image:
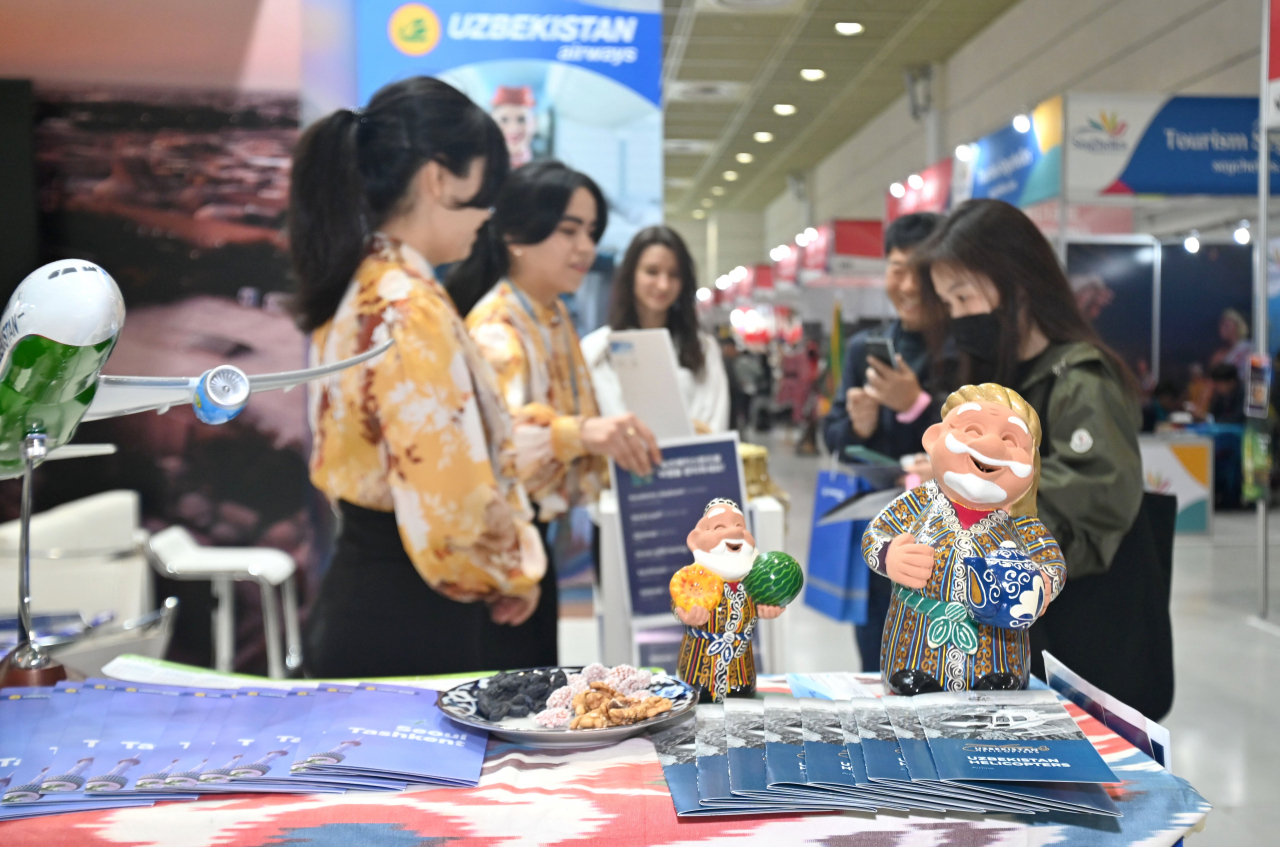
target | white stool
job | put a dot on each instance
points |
(175, 554)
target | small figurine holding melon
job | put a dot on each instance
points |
(972, 565)
(719, 598)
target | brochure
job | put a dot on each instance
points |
(397, 732)
(678, 752)
(744, 731)
(1122, 719)
(786, 763)
(712, 748)
(1017, 736)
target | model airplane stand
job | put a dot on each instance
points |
(27, 664)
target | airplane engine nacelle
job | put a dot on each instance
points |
(221, 394)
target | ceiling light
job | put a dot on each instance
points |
(707, 202)
(965, 152)
(915, 182)
(745, 158)
(802, 240)
(898, 190)
(723, 282)
(704, 294)
(780, 252)
(717, 190)
(811, 233)
(1022, 123)
(849, 28)
(729, 176)
(1241, 235)
(763, 137)
(1192, 244)
(784, 109)
(699, 214)
(738, 274)
(812, 74)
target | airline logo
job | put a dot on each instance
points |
(414, 29)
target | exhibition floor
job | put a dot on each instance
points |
(1228, 670)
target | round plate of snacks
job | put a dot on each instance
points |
(569, 706)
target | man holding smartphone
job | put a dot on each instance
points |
(885, 408)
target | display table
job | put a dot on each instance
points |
(613, 795)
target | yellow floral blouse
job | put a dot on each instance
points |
(421, 431)
(535, 352)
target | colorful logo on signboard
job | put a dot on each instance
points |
(1103, 134)
(414, 29)
(1110, 123)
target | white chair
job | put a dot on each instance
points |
(85, 557)
(175, 554)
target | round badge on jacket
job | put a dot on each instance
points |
(1081, 440)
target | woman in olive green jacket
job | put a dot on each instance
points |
(992, 281)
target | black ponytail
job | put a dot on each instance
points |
(528, 209)
(352, 170)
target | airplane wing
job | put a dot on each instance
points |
(128, 395)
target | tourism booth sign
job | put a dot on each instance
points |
(1151, 144)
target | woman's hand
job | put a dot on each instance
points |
(864, 411)
(625, 439)
(513, 611)
(697, 616)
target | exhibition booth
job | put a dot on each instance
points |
(691, 727)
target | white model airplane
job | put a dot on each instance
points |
(56, 334)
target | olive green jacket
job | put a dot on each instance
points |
(1091, 470)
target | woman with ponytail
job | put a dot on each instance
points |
(539, 245)
(412, 447)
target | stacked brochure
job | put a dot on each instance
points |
(108, 744)
(1015, 752)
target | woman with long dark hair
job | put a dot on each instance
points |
(991, 280)
(412, 447)
(539, 244)
(654, 287)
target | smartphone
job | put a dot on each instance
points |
(881, 347)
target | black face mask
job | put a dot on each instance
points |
(977, 335)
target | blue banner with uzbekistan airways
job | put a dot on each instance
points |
(1150, 144)
(574, 81)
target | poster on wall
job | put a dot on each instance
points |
(181, 194)
(574, 81)
(1273, 65)
(1115, 286)
(1205, 314)
(1125, 144)
(1019, 167)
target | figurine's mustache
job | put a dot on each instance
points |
(1020, 469)
(975, 489)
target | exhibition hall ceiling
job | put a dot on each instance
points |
(733, 67)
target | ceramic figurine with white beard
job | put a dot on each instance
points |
(720, 597)
(973, 566)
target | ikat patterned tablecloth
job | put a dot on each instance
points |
(612, 796)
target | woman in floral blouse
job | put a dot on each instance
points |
(413, 447)
(538, 246)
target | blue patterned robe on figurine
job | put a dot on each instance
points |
(929, 514)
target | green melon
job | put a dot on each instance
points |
(774, 580)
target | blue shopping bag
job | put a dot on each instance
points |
(836, 584)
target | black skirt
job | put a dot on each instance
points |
(375, 615)
(535, 643)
